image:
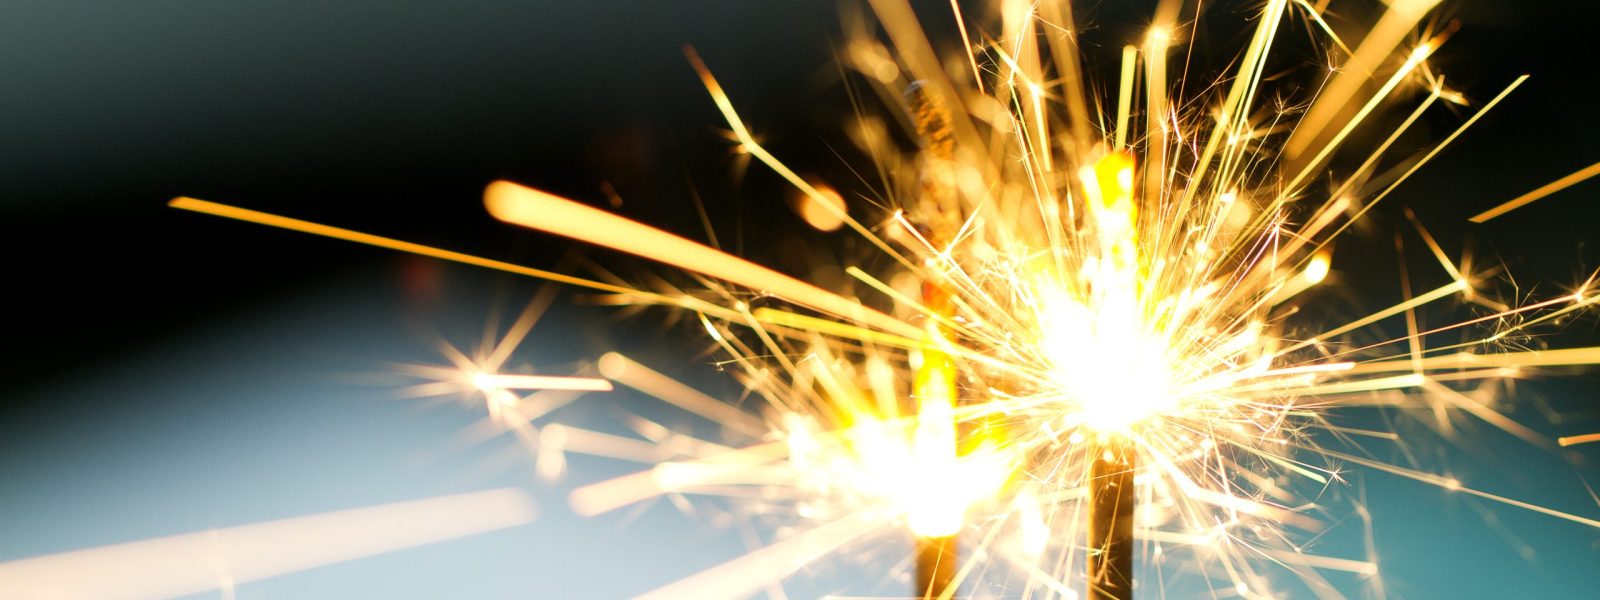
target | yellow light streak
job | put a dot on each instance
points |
(253, 216)
(492, 381)
(748, 143)
(1130, 57)
(534, 209)
(1417, 56)
(1544, 190)
(1435, 294)
(1467, 360)
(1454, 485)
(1416, 166)
(1573, 440)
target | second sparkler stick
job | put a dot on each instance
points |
(937, 556)
(1111, 503)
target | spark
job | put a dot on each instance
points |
(494, 381)
(1544, 190)
(623, 370)
(1574, 440)
(532, 208)
(282, 222)
(748, 574)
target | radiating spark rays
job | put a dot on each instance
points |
(1380, 42)
(519, 330)
(1574, 303)
(565, 438)
(1454, 485)
(1435, 294)
(1467, 360)
(1082, 298)
(1428, 157)
(1486, 414)
(534, 209)
(1130, 58)
(1331, 389)
(252, 216)
(1330, 563)
(1433, 247)
(1417, 56)
(745, 575)
(623, 370)
(1544, 190)
(748, 143)
(612, 494)
(196, 562)
(1315, 14)
(966, 41)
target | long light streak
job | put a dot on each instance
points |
(1544, 190)
(539, 210)
(196, 562)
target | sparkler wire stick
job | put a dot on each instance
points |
(1110, 552)
(938, 556)
(937, 560)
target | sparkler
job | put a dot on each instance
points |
(935, 379)
(1101, 307)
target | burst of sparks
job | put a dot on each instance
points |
(1131, 271)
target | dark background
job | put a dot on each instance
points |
(389, 117)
